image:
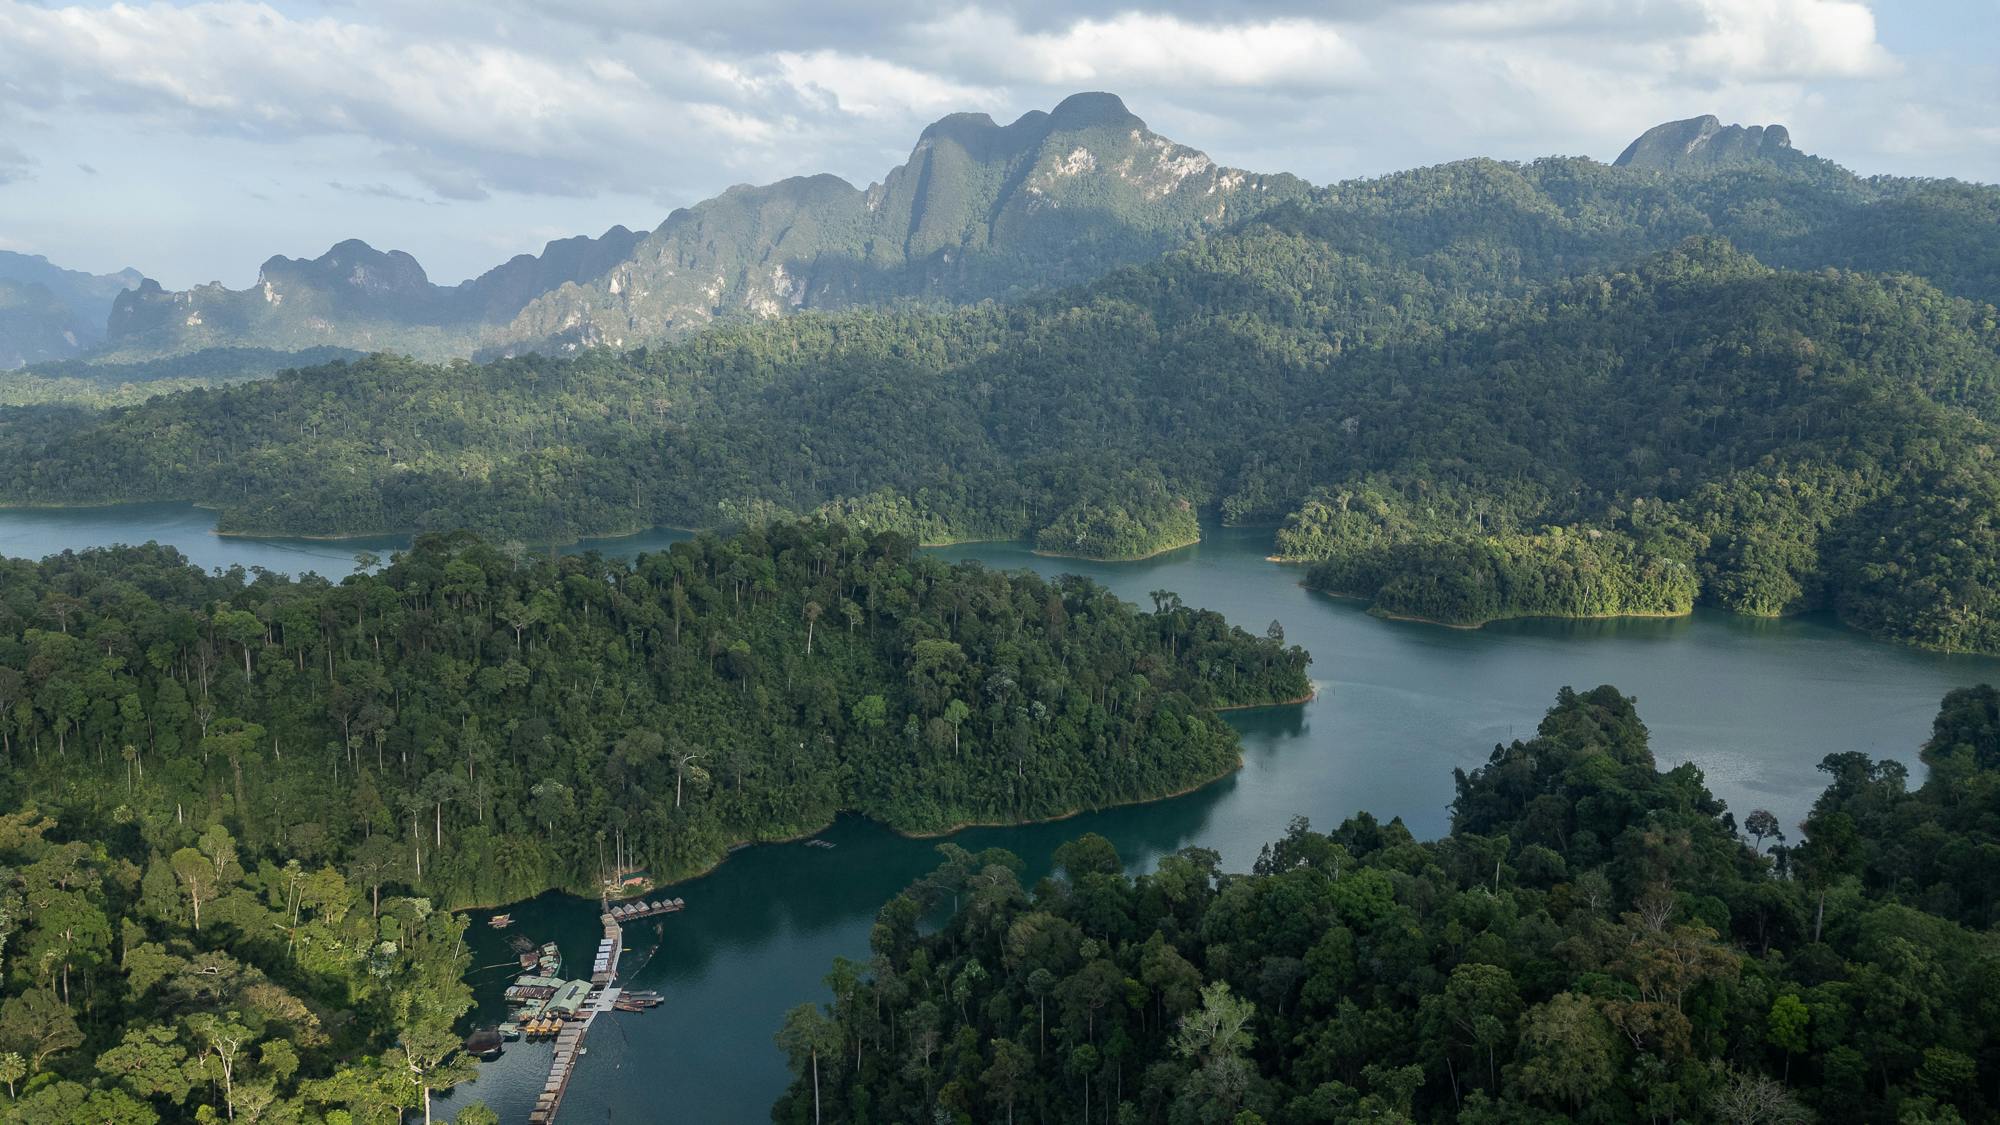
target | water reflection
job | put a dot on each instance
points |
(1754, 703)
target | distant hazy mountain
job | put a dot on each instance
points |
(47, 312)
(353, 296)
(979, 210)
(1704, 142)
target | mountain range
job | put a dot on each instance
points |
(1468, 390)
(48, 313)
(978, 210)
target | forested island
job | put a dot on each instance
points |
(1467, 392)
(490, 726)
(1594, 940)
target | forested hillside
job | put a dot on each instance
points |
(76, 382)
(1472, 391)
(1698, 426)
(479, 727)
(1594, 941)
(158, 970)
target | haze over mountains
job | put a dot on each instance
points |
(47, 312)
(978, 210)
(1727, 413)
(352, 296)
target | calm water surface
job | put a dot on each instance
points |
(1755, 704)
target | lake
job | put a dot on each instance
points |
(1756, 704)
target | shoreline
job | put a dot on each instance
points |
(81, 505)
(612, 534)
(1070, 815)
(1195, 542)
(1387, 616)
(733, 847)
(933, 544)
(410, 533)
(936, 834)
(1410, 618)
(1308, 697)
(275, 535)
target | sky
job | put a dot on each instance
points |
(194, 140)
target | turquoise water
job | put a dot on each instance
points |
(1756, 704)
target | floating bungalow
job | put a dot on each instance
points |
(532, 987)
(631, 911)
(568, 999)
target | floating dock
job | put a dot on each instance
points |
(602, 995)
(633, 911)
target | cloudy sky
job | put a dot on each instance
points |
(193, 140)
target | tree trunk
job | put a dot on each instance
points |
(242, 803)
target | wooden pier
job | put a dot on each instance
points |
(632, 911)
(603, 997)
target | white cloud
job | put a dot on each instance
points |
(1769, 40)
(520, 110)
(462, 115)
(1146, 49)
(870, 87)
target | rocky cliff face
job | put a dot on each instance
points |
(978, 210)
(1705, 142)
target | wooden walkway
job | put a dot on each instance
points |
(604, 993)
(632, 911)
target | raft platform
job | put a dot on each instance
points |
(604, 996)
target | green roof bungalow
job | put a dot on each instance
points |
(568, 998)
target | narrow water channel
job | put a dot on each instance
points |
(1756, 704)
